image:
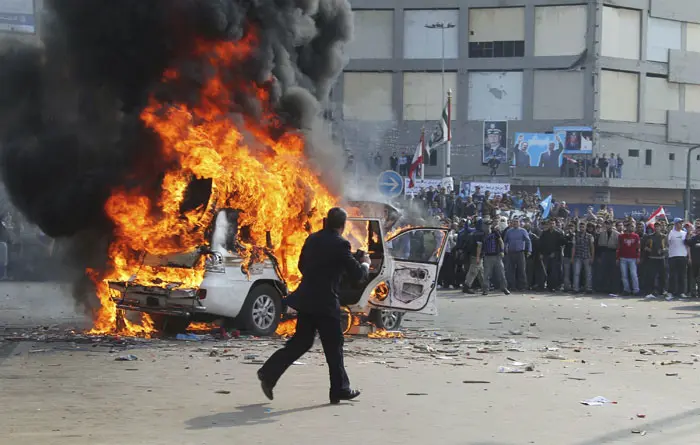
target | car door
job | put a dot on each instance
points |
(416, 256)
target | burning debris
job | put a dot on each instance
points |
(135, 120)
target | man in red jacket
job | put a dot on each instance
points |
(628, 247)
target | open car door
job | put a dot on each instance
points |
(416, 255)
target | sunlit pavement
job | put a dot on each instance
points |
(639, 354)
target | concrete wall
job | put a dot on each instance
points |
(624, 94)
(373, 36)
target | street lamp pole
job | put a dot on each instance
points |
(687, 184)
(442, 26)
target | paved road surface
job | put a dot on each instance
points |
(77, 394)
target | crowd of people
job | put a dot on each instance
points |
(593, 253)
(449, 205)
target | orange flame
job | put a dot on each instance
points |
(381, 291)
(383, 333)
(267, 178)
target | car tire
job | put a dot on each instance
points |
(170, 324)
(389, 320)
(262, 310)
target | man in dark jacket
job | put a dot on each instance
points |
(551, 242)
(324, 259)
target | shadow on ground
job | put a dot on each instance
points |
(244, 415)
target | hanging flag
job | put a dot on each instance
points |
(418, 159)
(657, 213)
(443, 132)
(538, 194)
(546, 206)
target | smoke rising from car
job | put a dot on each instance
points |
(70, 127)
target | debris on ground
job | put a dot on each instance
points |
(596, 401)
(126, 358)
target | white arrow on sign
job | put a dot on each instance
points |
(392, 182)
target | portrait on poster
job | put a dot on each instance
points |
(495, 140)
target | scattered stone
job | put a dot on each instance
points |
(671, 374)
(476, 381)
(223, 391)
(126, 358)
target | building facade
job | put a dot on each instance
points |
(628, 69)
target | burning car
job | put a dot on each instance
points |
(247, 290)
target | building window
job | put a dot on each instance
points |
(423, 98)
(373, 36)
(619, 96)
(367, 96)
(622, 33)
(495, 95)
(553, 22)
(661, 96)
(671, 156)
(633, 153)
(647, 160)
(496, 32)
(662, 35)
(420, 41)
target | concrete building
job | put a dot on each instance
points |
(629, 69)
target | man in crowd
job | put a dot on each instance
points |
(656, 247)
(493, 259)
(475, 242)
(607, 247)
(628, 258)
(478, 199)
(583, 254)
(694, 245)
(551, 242)
(677, 260)
(568, 255)
(517, 246)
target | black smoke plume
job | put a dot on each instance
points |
(69, 107)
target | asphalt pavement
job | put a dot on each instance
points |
(496, 370)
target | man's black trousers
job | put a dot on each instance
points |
(331, 334)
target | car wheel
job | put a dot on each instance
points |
(170, 324)
(261, 312)
(389, 320)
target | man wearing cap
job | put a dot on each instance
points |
(494, 145)
(550, 158)
(677, 260)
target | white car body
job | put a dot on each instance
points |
(254, 299)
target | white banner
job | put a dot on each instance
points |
(495, 188)
(17, 16)
(420, 184)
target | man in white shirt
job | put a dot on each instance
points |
(678, 259)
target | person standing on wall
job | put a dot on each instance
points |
(325, 257)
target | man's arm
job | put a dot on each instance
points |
(528, 242)
(356, 271)
(303, 257)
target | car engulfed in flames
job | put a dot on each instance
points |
(267, 177)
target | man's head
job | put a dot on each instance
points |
(678, 223)
(657, 228)
(550, 147)
(493, 135)
(546, 225)
(629, 228)
(514, 223)
(336, 219)
(619, 226)
(697, 224)
(640, 227)
(524, 146)
(477, 189)
(607, 225)
(581, 227)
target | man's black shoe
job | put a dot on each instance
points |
(466, 290)
(506, 291)
(347, 395)
(266, 387)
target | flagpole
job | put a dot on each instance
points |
(448, 151)
(422, 143)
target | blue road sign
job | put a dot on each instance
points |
(390, 184)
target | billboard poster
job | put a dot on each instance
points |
(495, 188)
(542, 150)
(495, 140)
(17, 16)
(577, 140)
(420, 184)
